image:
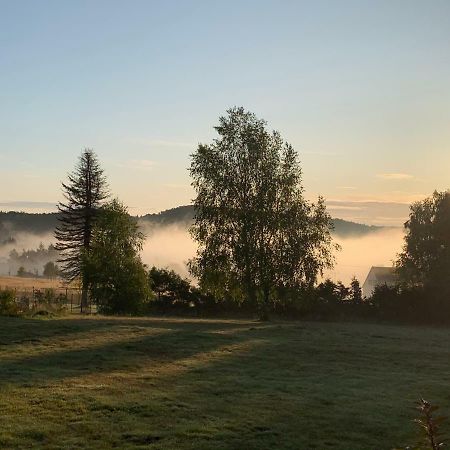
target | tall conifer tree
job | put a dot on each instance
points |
(84, 193)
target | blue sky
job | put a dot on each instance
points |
(361, 89)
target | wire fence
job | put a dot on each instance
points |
(35, 298)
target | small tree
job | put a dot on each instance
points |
(84, 194)
(118, 279)
(331, 293)
(51, 270)
(355, 292)
(8, 305)
(169, 286)
(255, 230)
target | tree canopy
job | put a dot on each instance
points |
(51, 270)
(256, 231)
(117, 278)
(425, 259)
(84, 194)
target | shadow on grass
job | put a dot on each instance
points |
(22, 330)
(309, 386)
(306, 388)
(181, 340)
(17, 330)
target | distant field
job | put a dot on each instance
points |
(102, 383)
(28, 283)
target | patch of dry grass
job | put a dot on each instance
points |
(28, 283)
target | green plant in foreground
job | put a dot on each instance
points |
(8, 305)
(430, 425)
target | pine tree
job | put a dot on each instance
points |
(84, 193)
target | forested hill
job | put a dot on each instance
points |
(13, 223)
(183, 216)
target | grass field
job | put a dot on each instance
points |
(101, 383)
(28, 283)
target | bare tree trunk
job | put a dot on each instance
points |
(84, 296)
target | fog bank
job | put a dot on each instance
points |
(169, 247)
(172, 247)
(24, 241)
(358, 255)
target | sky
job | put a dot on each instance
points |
(360, 88)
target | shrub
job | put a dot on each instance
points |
(8, 306)
(171, 290)
(410, 304)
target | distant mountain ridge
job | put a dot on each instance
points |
(13, 223)
(183, 215)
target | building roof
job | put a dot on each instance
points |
(382, 272)
(379, 275)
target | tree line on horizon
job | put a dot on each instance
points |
(261, 244)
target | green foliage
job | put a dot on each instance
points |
(355, 292)
(330, 292)
(47, 296)
(425, 259)
(169, 287)
(430, 425)
(255, 230)
(409, 305)
(330, 300)
(8, 305)
(84, 194)
(45, 302)
(51, 270)
(423, 292)
(117, 278)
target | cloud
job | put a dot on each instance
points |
(395, 176)
(347, 188)
(345, 207)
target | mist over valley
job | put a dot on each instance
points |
(168, 243)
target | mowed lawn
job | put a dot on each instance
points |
(101, 383)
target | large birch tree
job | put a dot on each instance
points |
(255, 230)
